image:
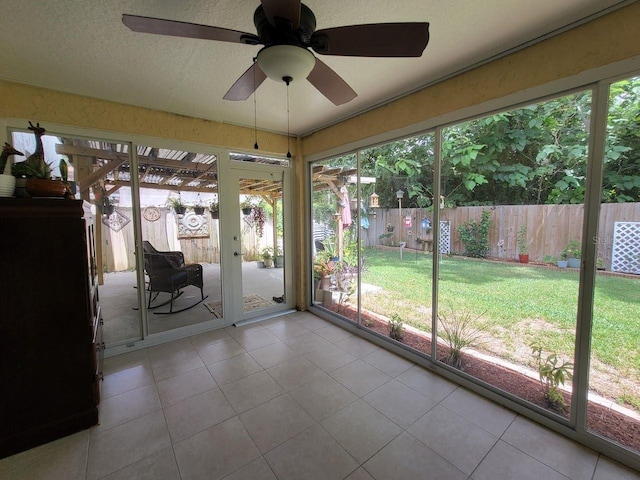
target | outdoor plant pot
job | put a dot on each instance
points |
(562, 263)
(260, 264)
(278, 261)
(574, 263)
(325, 283)
(268, 262)
(390, 229)
(180, 210)
(198, 210)
(524, 258)
(246, 211)
(215, 214)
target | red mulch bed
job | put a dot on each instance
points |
(609, 423)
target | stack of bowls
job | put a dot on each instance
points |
(7, 185)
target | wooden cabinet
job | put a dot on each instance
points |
(50, 324)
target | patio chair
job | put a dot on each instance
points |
(166, 276)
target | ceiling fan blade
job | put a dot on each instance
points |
(330, 84)
(374, 40)
(246, 84)
(286, 9)
(189, 30)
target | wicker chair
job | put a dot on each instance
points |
(168, 273)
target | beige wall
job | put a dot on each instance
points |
(606, 40)
(48, 106)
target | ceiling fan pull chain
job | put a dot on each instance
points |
(255, 110)
(287, 80)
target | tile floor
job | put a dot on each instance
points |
(298, 398)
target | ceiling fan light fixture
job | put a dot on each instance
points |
(281, 61)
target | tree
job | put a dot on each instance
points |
(532, 155)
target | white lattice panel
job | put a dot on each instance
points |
(445, 237)
(625, 256)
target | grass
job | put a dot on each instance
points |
(518, 302)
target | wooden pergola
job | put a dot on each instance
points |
(102, 168)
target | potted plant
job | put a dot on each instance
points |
(37, 171)
(39, 181)
(198, 210)
(177, 205)
(389, 228)
(522, 245)
(278, 258)
(267, 257)
(324, 268)
(246, 206)
(7, 179)
(330, 249)
(573, 254)
(214, 210)
(562, 261)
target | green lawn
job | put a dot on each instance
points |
(519, 303)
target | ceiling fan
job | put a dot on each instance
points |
(287, 29)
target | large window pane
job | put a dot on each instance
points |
(513, 189)
(398, 240)
(335, 235)
(614, 377)
(114, 231)
(179, 213)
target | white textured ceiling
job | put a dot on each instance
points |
(82, 46)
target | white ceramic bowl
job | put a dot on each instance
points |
(7, 185)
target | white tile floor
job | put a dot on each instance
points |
(298, 398)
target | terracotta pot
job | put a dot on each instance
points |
(524, 258)
(41, 187)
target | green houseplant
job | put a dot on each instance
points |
(324, 267)
(278, 257)
(177, 205)
(246, 206)
(573, 253)
(267, 256)
(562, 261)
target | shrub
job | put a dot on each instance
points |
(523, 248)
(475, 236)
(552, 376)
(395, 327)
(460, 330)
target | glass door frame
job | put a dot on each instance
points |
(230, 237)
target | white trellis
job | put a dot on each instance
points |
(625, 255)
(444, 245)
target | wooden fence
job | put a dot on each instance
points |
(118, 246)
(549, 227)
